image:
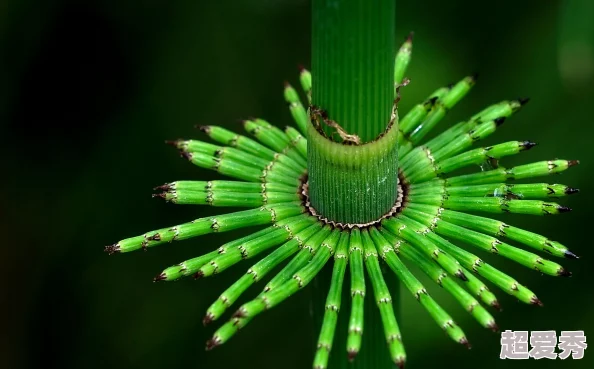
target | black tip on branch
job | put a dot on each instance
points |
(499, 121)
(205, 129)
(527, 145)
(496, 306)
(571, 190)
(562, 272)
(301, 68)
(161, 195)
(112, 249)
(563, 209)
(410, 36)
(493, 326)
(464, 341)
(165, 187)
(571, 255)
(174, 143)
(351, 354)
(571, 163)
(186, 155)
(400, 362)
(212, 343)
(535, 301)
(208, 318)
(160, 277)
(474, 77)
(523, 100)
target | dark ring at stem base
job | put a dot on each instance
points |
(402, 187)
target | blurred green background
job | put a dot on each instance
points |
(90, 89)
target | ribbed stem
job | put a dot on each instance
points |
(353, 82)
(353, 63)
(353, 53)
(352, 184)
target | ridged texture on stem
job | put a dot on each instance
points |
(353, 52)
(353, 184)
(353, 84)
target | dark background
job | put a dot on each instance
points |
(90, 89)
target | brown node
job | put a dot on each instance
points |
(404, 83)
(318, 114)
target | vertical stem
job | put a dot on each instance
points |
(353, 52)
(353, 63)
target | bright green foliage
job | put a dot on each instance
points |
(431, 225)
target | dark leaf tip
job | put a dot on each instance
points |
(165, 187)
(571, 255)
(464, 341)
(205, 129)
(527, 145)
(571, 163)
(174, 143)
(112, 249)
(208, 318)
(571, 190)
(212, 343)
(535, 301)
(186, 155)
(493, 326)
(499, 121)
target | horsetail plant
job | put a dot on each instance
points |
(356, 184)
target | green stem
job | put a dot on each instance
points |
(353, 85)
(353, 51)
